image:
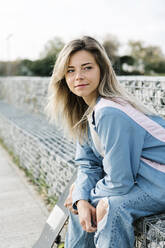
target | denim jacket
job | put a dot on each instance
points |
(134, 153)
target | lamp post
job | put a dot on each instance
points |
(8, 53)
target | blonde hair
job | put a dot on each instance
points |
(64, 106)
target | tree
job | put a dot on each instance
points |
(111, 45)
(126, 64)
(3, 68)
(52, 48)
(25, 68)
(146, 57)
(42, 67)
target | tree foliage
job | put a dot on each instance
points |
(52, 48)
(44, 65)
(147, 58)
(111, 45)
(139, 60)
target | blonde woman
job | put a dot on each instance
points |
(120, 149)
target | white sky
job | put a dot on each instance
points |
(26, 25)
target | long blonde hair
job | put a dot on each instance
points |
(65, 107)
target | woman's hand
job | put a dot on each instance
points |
(87, 216)
(68, 201)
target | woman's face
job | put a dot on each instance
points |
(83, 75)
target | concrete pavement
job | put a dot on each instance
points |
(22, 212)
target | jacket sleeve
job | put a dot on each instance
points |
(90, 171)
(122, 139)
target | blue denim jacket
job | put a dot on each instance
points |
(134, 146)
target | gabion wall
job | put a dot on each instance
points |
(30, 93)
(41, 147)
(149, 90)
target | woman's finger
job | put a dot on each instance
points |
(74, 211)
(68, 201)
(94, 220)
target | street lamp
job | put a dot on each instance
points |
(8, 53)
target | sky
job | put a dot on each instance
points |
(27, 25)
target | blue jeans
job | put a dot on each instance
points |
(115, 230)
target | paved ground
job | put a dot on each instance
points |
(22, 213)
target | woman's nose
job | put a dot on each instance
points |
(79, 75)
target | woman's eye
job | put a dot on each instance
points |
(70, 70)
(87, 68)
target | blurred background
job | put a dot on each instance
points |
(33, 32)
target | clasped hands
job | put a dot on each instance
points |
(89, 216)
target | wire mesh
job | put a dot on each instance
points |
(150, 232)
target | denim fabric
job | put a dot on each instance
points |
(76, 237)
(115, 230)
(125, 143)
(133, 187)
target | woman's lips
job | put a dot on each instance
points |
(81, 85)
